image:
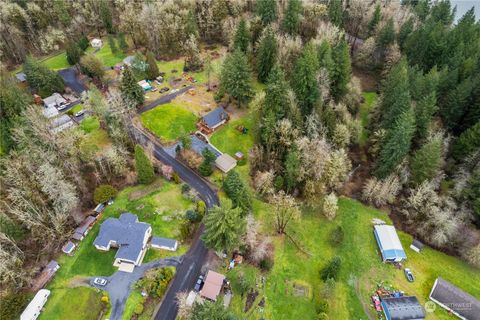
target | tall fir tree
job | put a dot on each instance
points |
(291, 19)
(266, 55)
(304, 80)
(335, 12)
(193, 59)
(386, 36)
(276, 94)
(152, 68)
(237, 192)
(236, 78)
(342, 70)
(122, 42)
(41, 78)
(425, 108)
(427, 160)
(396, 144)
(241, 39)
(376, 17)
(266, 10)
(106, 15)
(224, 226)
(73, 52)
(143, 166)
(467, 142)
(112, 44)
(130, 89)
(325, 57)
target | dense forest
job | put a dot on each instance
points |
(420, 159)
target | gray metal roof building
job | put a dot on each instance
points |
(164, 243)
(215, 118)
(402, 308)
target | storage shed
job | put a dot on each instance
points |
(225, 162)
(416, 246)
(68, 248)
(213, 285)
(402, 308)
(389, 243)
(32, 311)
(164, 243)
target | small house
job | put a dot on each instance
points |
(225, 162)
(61, 123)
(32, 311)
(455, 300)
(416, 246)
(83, 229)
(55, 100)
(213, 285)
(128, 235)
(213, 120)
(164, 243)
(46, 275)
(21, 77)
(402, 308)
(146, 86)
(96, 43)
(50, 112)
(389, 243)
(68, 248)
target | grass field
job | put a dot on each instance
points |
(361, 268)
(105, 54)
(160, 204)
(57, 62)
(169, 121)
(365, 108)
(228, 139)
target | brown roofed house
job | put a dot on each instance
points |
(213, 285)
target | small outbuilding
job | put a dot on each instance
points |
(83, 228)
(47, 274)
(146, 86)
(96, 43)
(213, 285)
(32, 311)
(225, 162)
(99, 209)
(389, 243)
(239, 155)
(213, 120)
(402, 308)
(451, 298)
(416, 246)
(164, 243)
(68, 248)
(21, 77)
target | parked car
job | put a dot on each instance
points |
(376, 303)
(199, 284)
(164, 89)
(62, 107)
(175, 90)
(100, 281)
(110, 202)
(409, 275)
(79, 113)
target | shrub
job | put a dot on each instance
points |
(242, 162)
(336, 237)
(105, 299)
(328, 289)
(192, 216)
(330, 206)
(322, 306)
(12, 305)
(322, 316)
(185, 188)
(201, 208)
(103, 193)
(331, 270)
(83, 43)
(138, 308)
(176, 178)
(278, 183)
(266, 264)
(205, 169)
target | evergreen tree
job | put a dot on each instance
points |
(291, 20)
(372, 24)
(122, 42)
(130, 89)
(396, 144)
(210, 311)
(236, 78)
(106, 16)
(386, 36)
(206, 166)
(152, 68)
(267, 11)
(83, 43)
(426, 161)
(276, 94)
(467, 142)
(472, 192)
(143, 166)
(241, 39)
(342, 69)
(193, 60)
(404, 32)
(237, 192)
(335, 12)
(41, 78)
(304, 80)
(266, 55)
(112, 44)
(424, 111)
(224, 227)
(292, 169)
(396, 94)
(74, 53)
(325, 57)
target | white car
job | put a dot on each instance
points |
(175, 90)
(100, 281)
(62, 106)
(79, 113)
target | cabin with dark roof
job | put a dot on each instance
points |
(83, 229)
(164, 243)
(402, 308)
(213, 120)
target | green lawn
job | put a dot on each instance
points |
(75, 109)
(160, 204)
(169, 121)
(365, 108)
(105, 54)
(228, 139)
(90, 124)
(57, 62)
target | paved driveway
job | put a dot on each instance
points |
(164, 99)
(120, 284)
(71, 79)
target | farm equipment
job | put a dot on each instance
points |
(242, 129)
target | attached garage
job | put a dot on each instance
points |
(389, 243)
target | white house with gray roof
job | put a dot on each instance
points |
(128, 235)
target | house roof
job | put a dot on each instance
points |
(389, 243)
(403, 308)
(68, 247)
(50, 112)
(225, 162)
(83, 228)
(54, 99)
(36, 305)
(452, 298)
(417, 244)
(213, 285)
(59, 121)
(99, 208)
(21, 76)
(51, 266)
(215, 117)
(164, 242)
(128, 234)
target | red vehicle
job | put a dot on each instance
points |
(376, 303)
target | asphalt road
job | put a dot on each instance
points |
(164, 99)
(192, 262)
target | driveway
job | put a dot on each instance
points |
(163, 99)
(192, 262)
(71, 79)
(120, 284)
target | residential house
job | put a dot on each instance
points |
(213, 285)
(389, 243)
(83, 228)
(32, 311)
(55, 100)
(213, 120)
(164, 243)
(61, 123)
(460, 303)
(128, 235)
(402, 308)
